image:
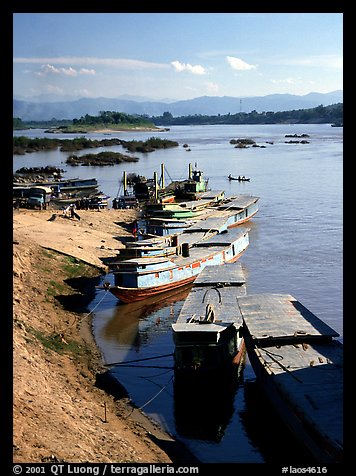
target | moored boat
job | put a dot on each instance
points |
(184, 209)
(68, 185)
(207, 333)
(239, 209)
(299, 365)
(193, 186)
(139, 278)
(172, 244)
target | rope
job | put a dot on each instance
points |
(209, 289)
(155, 396)
(139, 360)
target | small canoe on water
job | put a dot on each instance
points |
(239, 178)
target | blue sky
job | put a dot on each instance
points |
(176, 55)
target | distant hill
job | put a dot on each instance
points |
(206, 105)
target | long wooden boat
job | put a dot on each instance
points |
(231, 212)
(158, 246)
(139, 278)
(239, 178)
(68, 185)
(178, 211)
(239, 209)
(207, 333)
(161, 226)
(299, 365)
(183, 209)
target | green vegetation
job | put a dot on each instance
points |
(112, 158)
(19, 124)
(75, 268)
(102, 158)
(23, 144)
(150, 144)
(109, 118)
(56, 343)
(120, 121)
(115, 121)
(56, 270)
(317, 115)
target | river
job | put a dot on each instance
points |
(295, 247)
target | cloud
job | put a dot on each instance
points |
(50, 88)
(179, 67)
(47, 69)
(94, 61)
(211, 87)
(286, 81)
(87, 71)
(238, 64)
(316, 61)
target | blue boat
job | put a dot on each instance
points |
(240, 209)
(234, 211)
(139, 278)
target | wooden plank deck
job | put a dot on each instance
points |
(216, 223)
(222, 294)
(278, 317)
(240, 201)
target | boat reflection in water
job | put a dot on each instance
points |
(204, 403)
(268, 433)
(134, 324)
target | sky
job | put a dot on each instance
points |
(176, 56)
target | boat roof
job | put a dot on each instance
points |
(222, 295)
(211, 194)
(240, 201)
(207, 224)
(154, 241)
(233, 275)
(147, 261)
(280, 317)
(224, 238)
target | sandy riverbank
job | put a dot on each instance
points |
(59, 413)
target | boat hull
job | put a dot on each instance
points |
(293, 419)
(241, 220)
(138, 294)
(299, 366)
(128, 295)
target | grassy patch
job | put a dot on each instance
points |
(55, 288)
(54, 342)
(73, 267)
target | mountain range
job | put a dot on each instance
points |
(39, 110)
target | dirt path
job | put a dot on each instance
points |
(59, 412)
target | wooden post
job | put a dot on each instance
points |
(162, 174)
(156, 185)
(105, 420)
(125, 184)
